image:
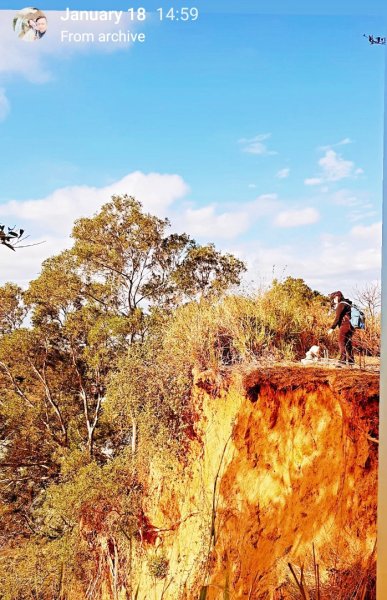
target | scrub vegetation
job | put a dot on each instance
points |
(97, 365)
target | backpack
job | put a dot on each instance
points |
(357, 317)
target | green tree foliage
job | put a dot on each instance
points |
(295, 290)
(12, 309)
(97, 359)
(135, 260)
(148, 395)
(205, 272)
(75, 528)
(71, 464)
(296, 316)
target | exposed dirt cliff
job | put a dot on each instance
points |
(284, 464)
(281, 474)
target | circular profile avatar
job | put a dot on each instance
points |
(30, 24)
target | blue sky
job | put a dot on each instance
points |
(263, 132)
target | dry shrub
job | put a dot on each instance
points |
(237, 329)
(158, 566)
(357, 582)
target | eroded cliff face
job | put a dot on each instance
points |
(284, 464)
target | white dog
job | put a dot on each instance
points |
(313, 355)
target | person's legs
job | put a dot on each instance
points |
(342, 344)
(349, 347)
(345, 344)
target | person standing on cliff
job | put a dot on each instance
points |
(343, 322)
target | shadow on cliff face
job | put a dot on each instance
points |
(302, 479)
(276, 496)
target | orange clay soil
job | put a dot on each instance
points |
(284, 464)
(303, 474)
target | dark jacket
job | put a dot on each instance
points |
(343, 313)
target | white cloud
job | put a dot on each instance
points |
(342, 142)
(211, 222)
(4, 105)
(206, 223)
(297, 218)
(51, 218)
(330, 262)
(334, 168)
(359, 203)
(313, 181)
(283, 173)
(360, 215)
(343, 261)
(355, 255)
(345, 197)
(18, 57)
(263, 205)
(365, 232)
(58, 211)
(255, 144)
(31, 60)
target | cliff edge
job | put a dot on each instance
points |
(280, 475)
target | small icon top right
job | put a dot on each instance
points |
(30, 24)
(375, 39)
